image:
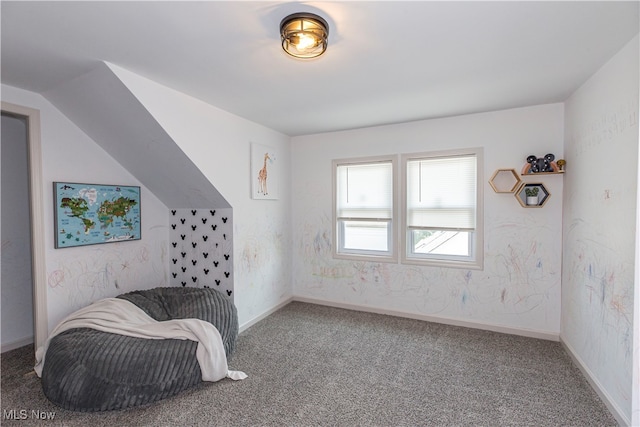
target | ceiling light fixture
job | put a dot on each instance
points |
(304, 35)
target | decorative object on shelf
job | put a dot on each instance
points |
(505, 181)
(540, 164)
(532, 195)
(304, 35)
(561, 164)
(88, 214)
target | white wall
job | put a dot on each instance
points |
(519, 288)
(17, 287)
(219, 144)
(79, 276)
(601, 144)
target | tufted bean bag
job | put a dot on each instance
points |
(89, 370)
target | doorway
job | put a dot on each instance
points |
(24, 310)
(17, 283)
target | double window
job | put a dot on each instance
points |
(440, 213)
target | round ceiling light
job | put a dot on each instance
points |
(304, 35)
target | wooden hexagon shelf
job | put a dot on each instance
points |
(536, 200)
(505, 181)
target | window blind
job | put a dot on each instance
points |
(365, 191)
(441, 192)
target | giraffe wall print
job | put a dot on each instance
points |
(264, 172)
(262, 176)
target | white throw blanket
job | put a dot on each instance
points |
(119, 316)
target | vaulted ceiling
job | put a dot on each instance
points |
(387, 62)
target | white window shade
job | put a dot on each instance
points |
(365, 191)
(441, 193)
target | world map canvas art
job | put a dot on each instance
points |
(89, 214)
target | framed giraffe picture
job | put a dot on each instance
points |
(265, 172)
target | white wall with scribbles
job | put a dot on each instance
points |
(219, 144)
(79, 276)
(601, 140)
(519, 287)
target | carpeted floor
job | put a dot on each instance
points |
(311, 365)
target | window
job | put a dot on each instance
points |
(364, 208)
(442, 209)
(441, 214)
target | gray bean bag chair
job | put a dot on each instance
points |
(89, 370)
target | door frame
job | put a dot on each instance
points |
(36, 214)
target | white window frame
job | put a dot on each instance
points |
(476, 260)
(374, 256)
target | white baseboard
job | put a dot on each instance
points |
(595, 384)
(250, 323)
(16, 344)
(531, 333)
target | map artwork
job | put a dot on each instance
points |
(87, 214)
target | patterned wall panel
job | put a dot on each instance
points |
(201, 252)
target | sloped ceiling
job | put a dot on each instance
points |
(388, 61)
(102, 106)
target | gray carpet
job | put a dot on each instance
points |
(311, 365)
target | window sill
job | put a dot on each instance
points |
(466, 265)
(365, 258)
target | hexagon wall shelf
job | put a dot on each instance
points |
(505, 181)
(542, 196)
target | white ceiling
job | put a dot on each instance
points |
(387, 62)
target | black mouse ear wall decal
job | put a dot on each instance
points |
(209, 257)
